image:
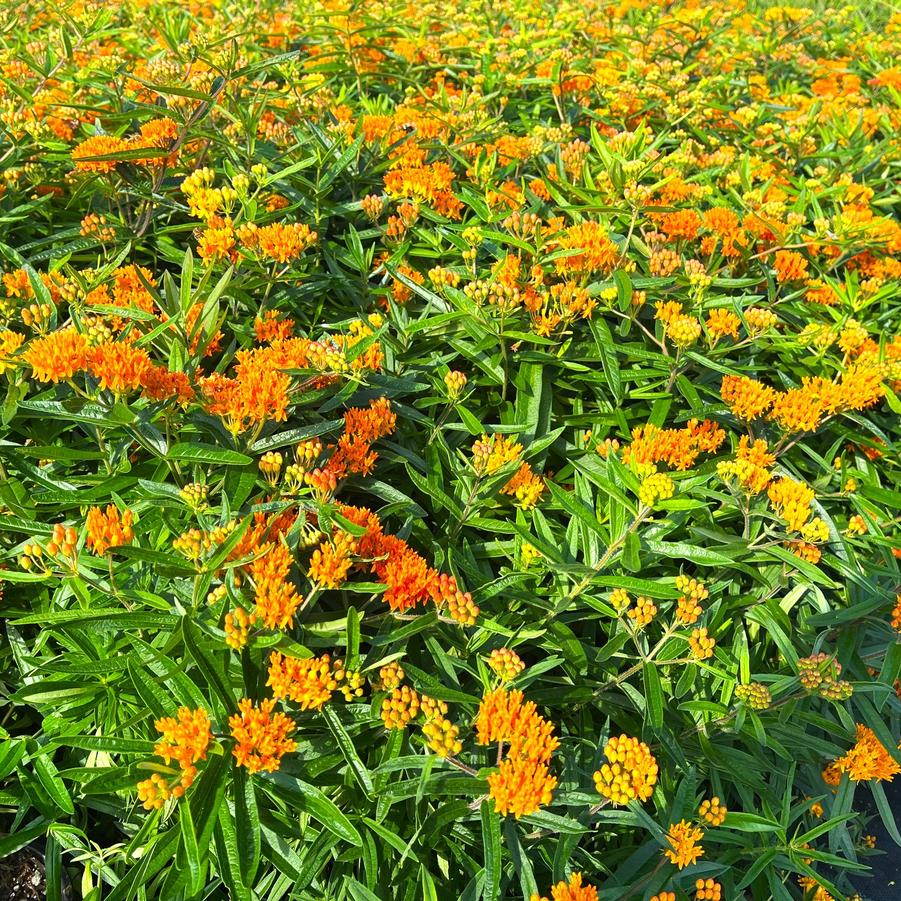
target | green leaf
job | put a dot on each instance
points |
(309, 798)
(491, 846)
(215, 673)
(653, 695)
(885, 811)
(345, 743)
(193, 452)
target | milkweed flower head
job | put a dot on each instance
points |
(490, 454)
(712, 811)
(868, 759)
(523, 782)
(630, 772)
(573, 890)
(505, 663)
(108, 528)
(684, 844)
(708, 890)
(262, 738)
(308, 682)
(58, 356)
(184, 740)
(400, 707)
(755, 694)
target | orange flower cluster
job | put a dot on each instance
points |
(680, 328)
(280, 242)
(688, 607)
(570, 891)
(108, 529)
(790, 266)
(592, 249)
(311, 682)
(525, 486)
(428, 183)
(868, 759)
(492, 453)
(678, 448)
(631, 771)
(98, 145)
(409, 580)
(684, 849)
(712, 811)
(58, 356)
(119, 366)
(791, 500)
(258, 394)
(277, 599)
(269, 326)
(261, 737)
(523, 782)
(896, 614)
(362, 427)
(157, 134)
(751, 465)
(802, 409)
(721, 323)
(400, 707)
(185, 740)
(505, 663)
(331, 561)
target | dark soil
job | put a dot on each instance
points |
(22, 877)
(884, 883)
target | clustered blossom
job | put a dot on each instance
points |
(868, 759)
(630, 772)
(108, 529)
(573, 890)
(523, 782)
(184, 740)
(684, 844)
(803, 409)
(261, 737)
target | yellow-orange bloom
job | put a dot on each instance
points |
(184, 738)
(570, 891)
(868, 759)
(790, 266)
(98, 145)
(119, 366)
(747, 398)
(791, 500)
(684, 849)
(521, 786)
(631, 772)
(505, 717)
(58, 356)
(261, 737)
(276, 598)
(331, 561)
(712, 811)
(108, 529)
(309, 683)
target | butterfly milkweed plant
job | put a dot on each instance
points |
(449, 450)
